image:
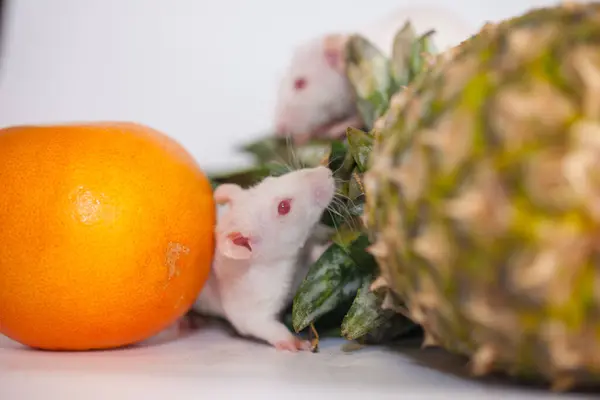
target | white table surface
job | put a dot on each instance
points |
(208, 361)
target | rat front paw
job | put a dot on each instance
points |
(292, 344)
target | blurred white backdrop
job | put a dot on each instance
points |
(204, 72)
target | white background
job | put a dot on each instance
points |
(205, 72)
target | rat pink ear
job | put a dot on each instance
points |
(234, 245)
(224, 193)
(334, 46)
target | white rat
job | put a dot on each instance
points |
(261, 252)
(315, 97)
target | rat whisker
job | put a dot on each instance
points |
(294, 160)
(335, 226)
(280, 160)
(340, 210)
(332, 160)
(340, 180)
(345, 220)
(344, 215)
(338, 169)
(343, 212)
(338, 200)
(340, 196)
(334, 211)
(283, 165)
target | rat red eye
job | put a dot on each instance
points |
(284, 207)
(299, 83)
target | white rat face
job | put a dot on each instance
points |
(314, 90)
(274, 218)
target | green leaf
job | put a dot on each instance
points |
(243, 177)
(393, 327)
(344, 173)
(281, 151)
(328, 324)
(264, 149)
(401, 54)
(421, 50)
(312, 154)
(365, 314)
(342, 164)
(337, 155)
(333, 279)
(368, 321)
(360, 145)
(355, 188)
(275, 157)
(358, 208)
(345, 235)
(369, 72)
(360, 255)
(410, 53)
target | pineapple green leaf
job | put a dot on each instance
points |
(337, 155)
(367, 320)
(422, 50)
(365, 314)
(409, 54)
(342, 164)
(360, 145)
(344, 173)
(285, 153)
(357, 209)
(332, 280)
(311, 154)
(244, 177)
(358, 252)
(401, 53)
(392, 326)
(327, 326)
(345, 235)
(355, 189)
(264, 149)
(369, 72)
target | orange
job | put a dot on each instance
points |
(106, 234)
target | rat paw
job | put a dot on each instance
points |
(293, 344)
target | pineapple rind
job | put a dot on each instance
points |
(483, 200)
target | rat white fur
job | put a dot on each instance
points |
(325, 105)
(251, 283)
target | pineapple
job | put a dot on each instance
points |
(335, 295)
(483, 198)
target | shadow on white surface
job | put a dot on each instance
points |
(209, 361)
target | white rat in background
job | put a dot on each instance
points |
(261, 252)
(315, 97)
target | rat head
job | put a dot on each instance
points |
(314, 91)
(274, 218)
